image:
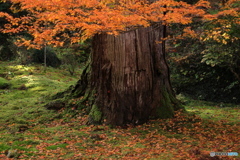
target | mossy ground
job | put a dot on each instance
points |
(38, 133)
(30, 87)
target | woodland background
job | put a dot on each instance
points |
(205, 74)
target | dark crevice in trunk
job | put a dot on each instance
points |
(127, 80)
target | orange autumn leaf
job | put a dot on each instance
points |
(54, 21)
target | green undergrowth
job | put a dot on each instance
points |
(212, 111)
(33, 132)
(29, 89)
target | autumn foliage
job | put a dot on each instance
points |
(56, 22)
(183, 137)
(222, 27)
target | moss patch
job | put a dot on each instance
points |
(166, 107)
(4, 83)
(17, 104)
(37, 133)
(95, 115)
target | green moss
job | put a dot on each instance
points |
(4, 83)
(214, 112)
(26, 104)
(168, 105)
(95, 114)
(4, 147)
(166, 108)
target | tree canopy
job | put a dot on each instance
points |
(55, 22)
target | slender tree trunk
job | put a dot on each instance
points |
(45, 58)
(127, 81)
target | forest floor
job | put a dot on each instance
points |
(30, 131)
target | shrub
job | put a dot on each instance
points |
(73, 56)
(6, 53)
(52, 59)
(202, 81)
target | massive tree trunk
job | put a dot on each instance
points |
(127, 81)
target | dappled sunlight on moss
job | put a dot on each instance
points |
(28, 91)
(215, 113)
(21, 68)
(37, 89)
(37, 132)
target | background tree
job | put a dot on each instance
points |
(222, 38)
(8, 50)
(127, 79)
(5, 51)
(206, 65)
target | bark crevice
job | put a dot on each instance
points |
(127, 81)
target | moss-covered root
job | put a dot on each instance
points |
(168, 105)
(95, 115)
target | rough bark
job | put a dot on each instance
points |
(131, 76)
(127, 80)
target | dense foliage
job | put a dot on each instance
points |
(206, 65)
(5, 51)
(206, 55)
(204, 60)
